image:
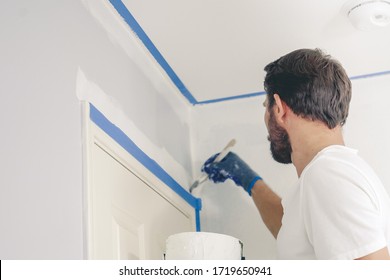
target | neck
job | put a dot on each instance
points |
(310, 137)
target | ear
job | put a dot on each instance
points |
(280, 109)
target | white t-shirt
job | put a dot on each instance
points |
(338, 209)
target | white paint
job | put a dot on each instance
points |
(148, 97)
(114, 111)
(120, 34)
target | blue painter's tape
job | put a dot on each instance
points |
(233, 97)
(197, 217)
(370, 75)
(122, 139)
(130, 20)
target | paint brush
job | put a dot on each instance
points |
(220, 157)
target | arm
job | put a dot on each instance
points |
(234, 168)
(382, 254)
(269, 205)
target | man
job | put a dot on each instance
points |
(338, 209)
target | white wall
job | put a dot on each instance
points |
(40, 182)
(367, 125)
(44, 44)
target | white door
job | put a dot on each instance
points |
(130, 212)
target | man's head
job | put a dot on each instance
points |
(312, 84)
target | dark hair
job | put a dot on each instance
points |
(312, 84)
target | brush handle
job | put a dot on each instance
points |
(202, 178)
(225, 151)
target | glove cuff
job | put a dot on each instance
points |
(252, 183)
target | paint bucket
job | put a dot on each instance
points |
(203, 246)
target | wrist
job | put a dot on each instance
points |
(252, 184)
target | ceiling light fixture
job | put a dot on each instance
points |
(368, 14)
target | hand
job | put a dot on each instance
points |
(231, 167)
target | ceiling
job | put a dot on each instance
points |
(215, 50)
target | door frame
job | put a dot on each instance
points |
(98, 130)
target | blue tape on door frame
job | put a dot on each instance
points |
(122, 139)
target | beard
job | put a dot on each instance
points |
(280, 141)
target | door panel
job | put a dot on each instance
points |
(130, 219)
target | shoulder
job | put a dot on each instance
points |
(337, 164)
(339, 175)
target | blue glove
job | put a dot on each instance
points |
(231, 167)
